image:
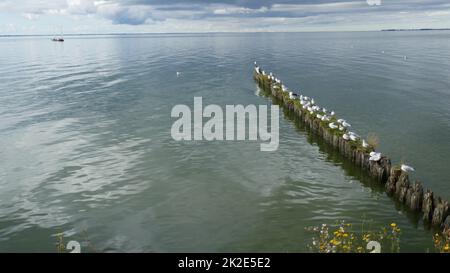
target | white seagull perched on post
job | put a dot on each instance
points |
(292, 95)
(407, 168)
(364, 144)
(325, 118)
(353, 136)
(374, 156)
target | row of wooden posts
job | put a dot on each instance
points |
(435, 211)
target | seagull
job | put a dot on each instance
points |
(178, 74)
(374, 156)
(254, 63)
(332, 113)
(312, 101)
(364, 144)
(292, 95)
(332, 125)
(319, 116)
(257, 70)
(345, 137)
(345, 124)
(341, 128)
(340, 120)
(353, 137)
(407, 168)
(324, 110)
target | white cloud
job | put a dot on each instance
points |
(438, 13)
(238, 10)
(374, 2)
(30, 16)
(81, 6)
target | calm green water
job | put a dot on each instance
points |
(85, 145)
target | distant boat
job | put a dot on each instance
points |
(58, 39)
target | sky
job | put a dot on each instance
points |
(178, 16)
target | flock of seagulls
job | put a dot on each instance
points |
(309, 104)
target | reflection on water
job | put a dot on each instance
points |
(86, 147)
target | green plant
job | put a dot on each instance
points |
(341, 238)
(373, 140)
(442, 241)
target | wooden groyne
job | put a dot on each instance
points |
(434, 210)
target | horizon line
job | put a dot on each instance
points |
(205, 32)
(217, 32)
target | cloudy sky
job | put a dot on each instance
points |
(110, 16)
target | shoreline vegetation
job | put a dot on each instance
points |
(430, 208)
(349, 238)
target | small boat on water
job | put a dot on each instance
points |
(59, 38)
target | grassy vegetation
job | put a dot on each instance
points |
(343, 238)
(373, 140)
(442, 241)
